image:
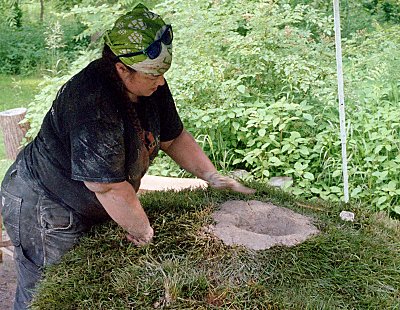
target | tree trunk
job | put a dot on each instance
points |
(13, 132)
(41, 10)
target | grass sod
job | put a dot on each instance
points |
(348, 266)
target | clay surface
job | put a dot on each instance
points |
(258, 225)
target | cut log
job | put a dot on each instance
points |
(13, 132)
(1, 238)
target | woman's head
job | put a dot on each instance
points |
(134, 83)
(142, 41)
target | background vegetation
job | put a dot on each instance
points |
(254, 82)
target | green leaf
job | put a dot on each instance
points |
(261, 132)
(396, 209)
(205, 118)
(378, 149)
(355, 192)
(241, 89)
(298, 166)
(297, 191)
(392, 186)
(275, 161)
(308, 176)
(304, 150)
(236, 161)
(276, 121)
(285, 147)
(335, 189)
(266, 173)
(294, 135)
(307, 116)
(381, 200)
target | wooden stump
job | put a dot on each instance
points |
(1, 238)
(13, 132)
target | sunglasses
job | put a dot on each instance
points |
(154, 49)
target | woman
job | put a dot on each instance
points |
(104, 128)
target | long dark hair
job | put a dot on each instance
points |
(108, 61)
(108, 56)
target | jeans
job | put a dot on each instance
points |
(41, 231)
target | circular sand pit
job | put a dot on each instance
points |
(258, 225)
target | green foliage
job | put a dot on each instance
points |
(347, 266)
(22, 50)
(64, 6)
(359, 15)
(262, 80)
(54, 42)
(96, 18)
(255, 82)
(31, 48)
(11, 13)
(386, 10)
(374, 115)
(258, 91)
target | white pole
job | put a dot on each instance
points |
(338, 45)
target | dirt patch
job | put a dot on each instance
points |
(8, 277)
(258, 225)
(8, 282)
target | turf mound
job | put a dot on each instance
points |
(348, 265)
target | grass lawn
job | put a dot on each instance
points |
(349, 265)
(15, 92)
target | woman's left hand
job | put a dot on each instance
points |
(219, 181)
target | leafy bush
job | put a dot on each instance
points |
(11, 13)
(387, 10)
(261, 85)
(255, 82)
(22, 50)
(25, 50)
(374, 114)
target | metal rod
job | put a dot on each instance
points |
(342, 113)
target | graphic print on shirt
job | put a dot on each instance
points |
(151, 144)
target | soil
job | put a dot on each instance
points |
(258, 225)
(8, 282)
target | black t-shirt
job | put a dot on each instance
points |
(94, 133)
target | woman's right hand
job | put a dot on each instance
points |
(142, 240)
